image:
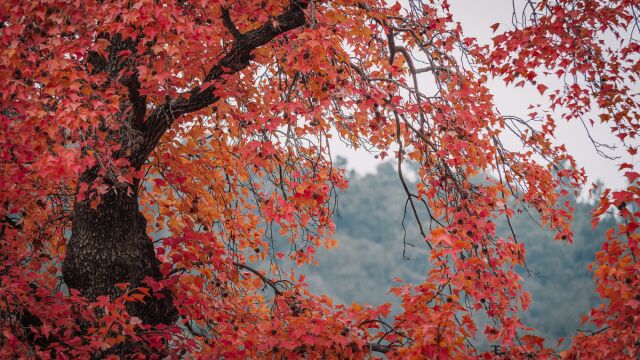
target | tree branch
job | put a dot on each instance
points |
(138, 101)
(228, 23)
(11, 222)
(264, 279)
(238, 58)
(379, 348)
(431, 69)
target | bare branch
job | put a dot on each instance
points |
(431, 69)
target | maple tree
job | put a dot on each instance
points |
(209, 121)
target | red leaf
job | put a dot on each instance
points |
(541, 88)
(625, 166)
(124, 53)
(632, 176)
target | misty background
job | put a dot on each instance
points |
(371, 250)
(371, 253)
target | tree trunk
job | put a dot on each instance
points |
(110, 245)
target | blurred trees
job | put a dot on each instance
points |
(371, 253)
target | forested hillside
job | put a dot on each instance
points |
(373, 253)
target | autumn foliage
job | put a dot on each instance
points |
(214, 118)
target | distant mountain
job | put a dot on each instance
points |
(370, 255)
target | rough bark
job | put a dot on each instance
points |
(110, 245)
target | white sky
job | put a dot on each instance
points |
(476, 17)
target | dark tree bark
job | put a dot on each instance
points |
(109, 244)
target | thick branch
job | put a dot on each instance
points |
(238, 58)
(380, 348)
(138, 101)
(228, 23)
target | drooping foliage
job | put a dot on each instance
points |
(214, 118)
(377, 248)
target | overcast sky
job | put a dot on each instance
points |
(476, 18)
